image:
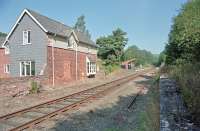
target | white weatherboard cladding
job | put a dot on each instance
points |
(63, 43)
(72, 42)
(60, 42)
(36, 51)
(86, 49)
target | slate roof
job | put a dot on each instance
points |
(2, 39)
(55, 27)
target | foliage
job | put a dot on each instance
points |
(184, 38)
(80, 26)
(142, 57)
(2, 34)
(156, 79)
(161, 58)
(183, 55)
(111, 47)
(110, 68)
(188, 77)
(34, 87)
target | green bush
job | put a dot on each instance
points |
(34, 87)
(110, 68)
(188, 78)
(156, 79)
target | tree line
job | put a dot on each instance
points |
(184, 38)
(2, 34)
(182, 55)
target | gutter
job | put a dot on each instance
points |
(76, 62)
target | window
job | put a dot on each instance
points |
(7, 68)
(91, 68)
(26, 37)
(27, 68)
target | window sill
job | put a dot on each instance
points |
(26, 44)
(70, 47)
(91, 73)
(27, 76)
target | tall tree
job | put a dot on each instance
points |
(111, 46)
(184, 38)
(80, 26)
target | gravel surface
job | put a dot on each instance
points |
(110, 113)
(11, 104)
(173, 114)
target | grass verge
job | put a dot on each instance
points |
(149, 119)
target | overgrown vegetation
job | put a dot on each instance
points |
(182, 55)
(149, 118)
(142, 57)
(188, 78)
(34, 87)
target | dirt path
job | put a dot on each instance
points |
(109, 113)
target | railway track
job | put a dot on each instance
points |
(32, 116)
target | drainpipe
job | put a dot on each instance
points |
(53, 61)
(76, 63)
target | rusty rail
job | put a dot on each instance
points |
(95, 92)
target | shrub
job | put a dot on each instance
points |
(34, 87)
(110, 68)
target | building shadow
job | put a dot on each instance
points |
(113, 118)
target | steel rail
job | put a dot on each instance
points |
(113, 84)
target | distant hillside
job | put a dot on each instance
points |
(142, 56)
(2, 34)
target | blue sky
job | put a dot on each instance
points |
(147, 22)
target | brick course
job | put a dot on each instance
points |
(65, 65)
(4, 59)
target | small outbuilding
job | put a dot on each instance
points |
(129, 64)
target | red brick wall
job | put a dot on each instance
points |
(4, 59)
(65, 65)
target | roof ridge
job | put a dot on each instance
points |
(48, 18)
(54, 26)
(55, 20)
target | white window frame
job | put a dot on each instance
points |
(25, 72)
(91, 70)
(7, 68)
(25, 41)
